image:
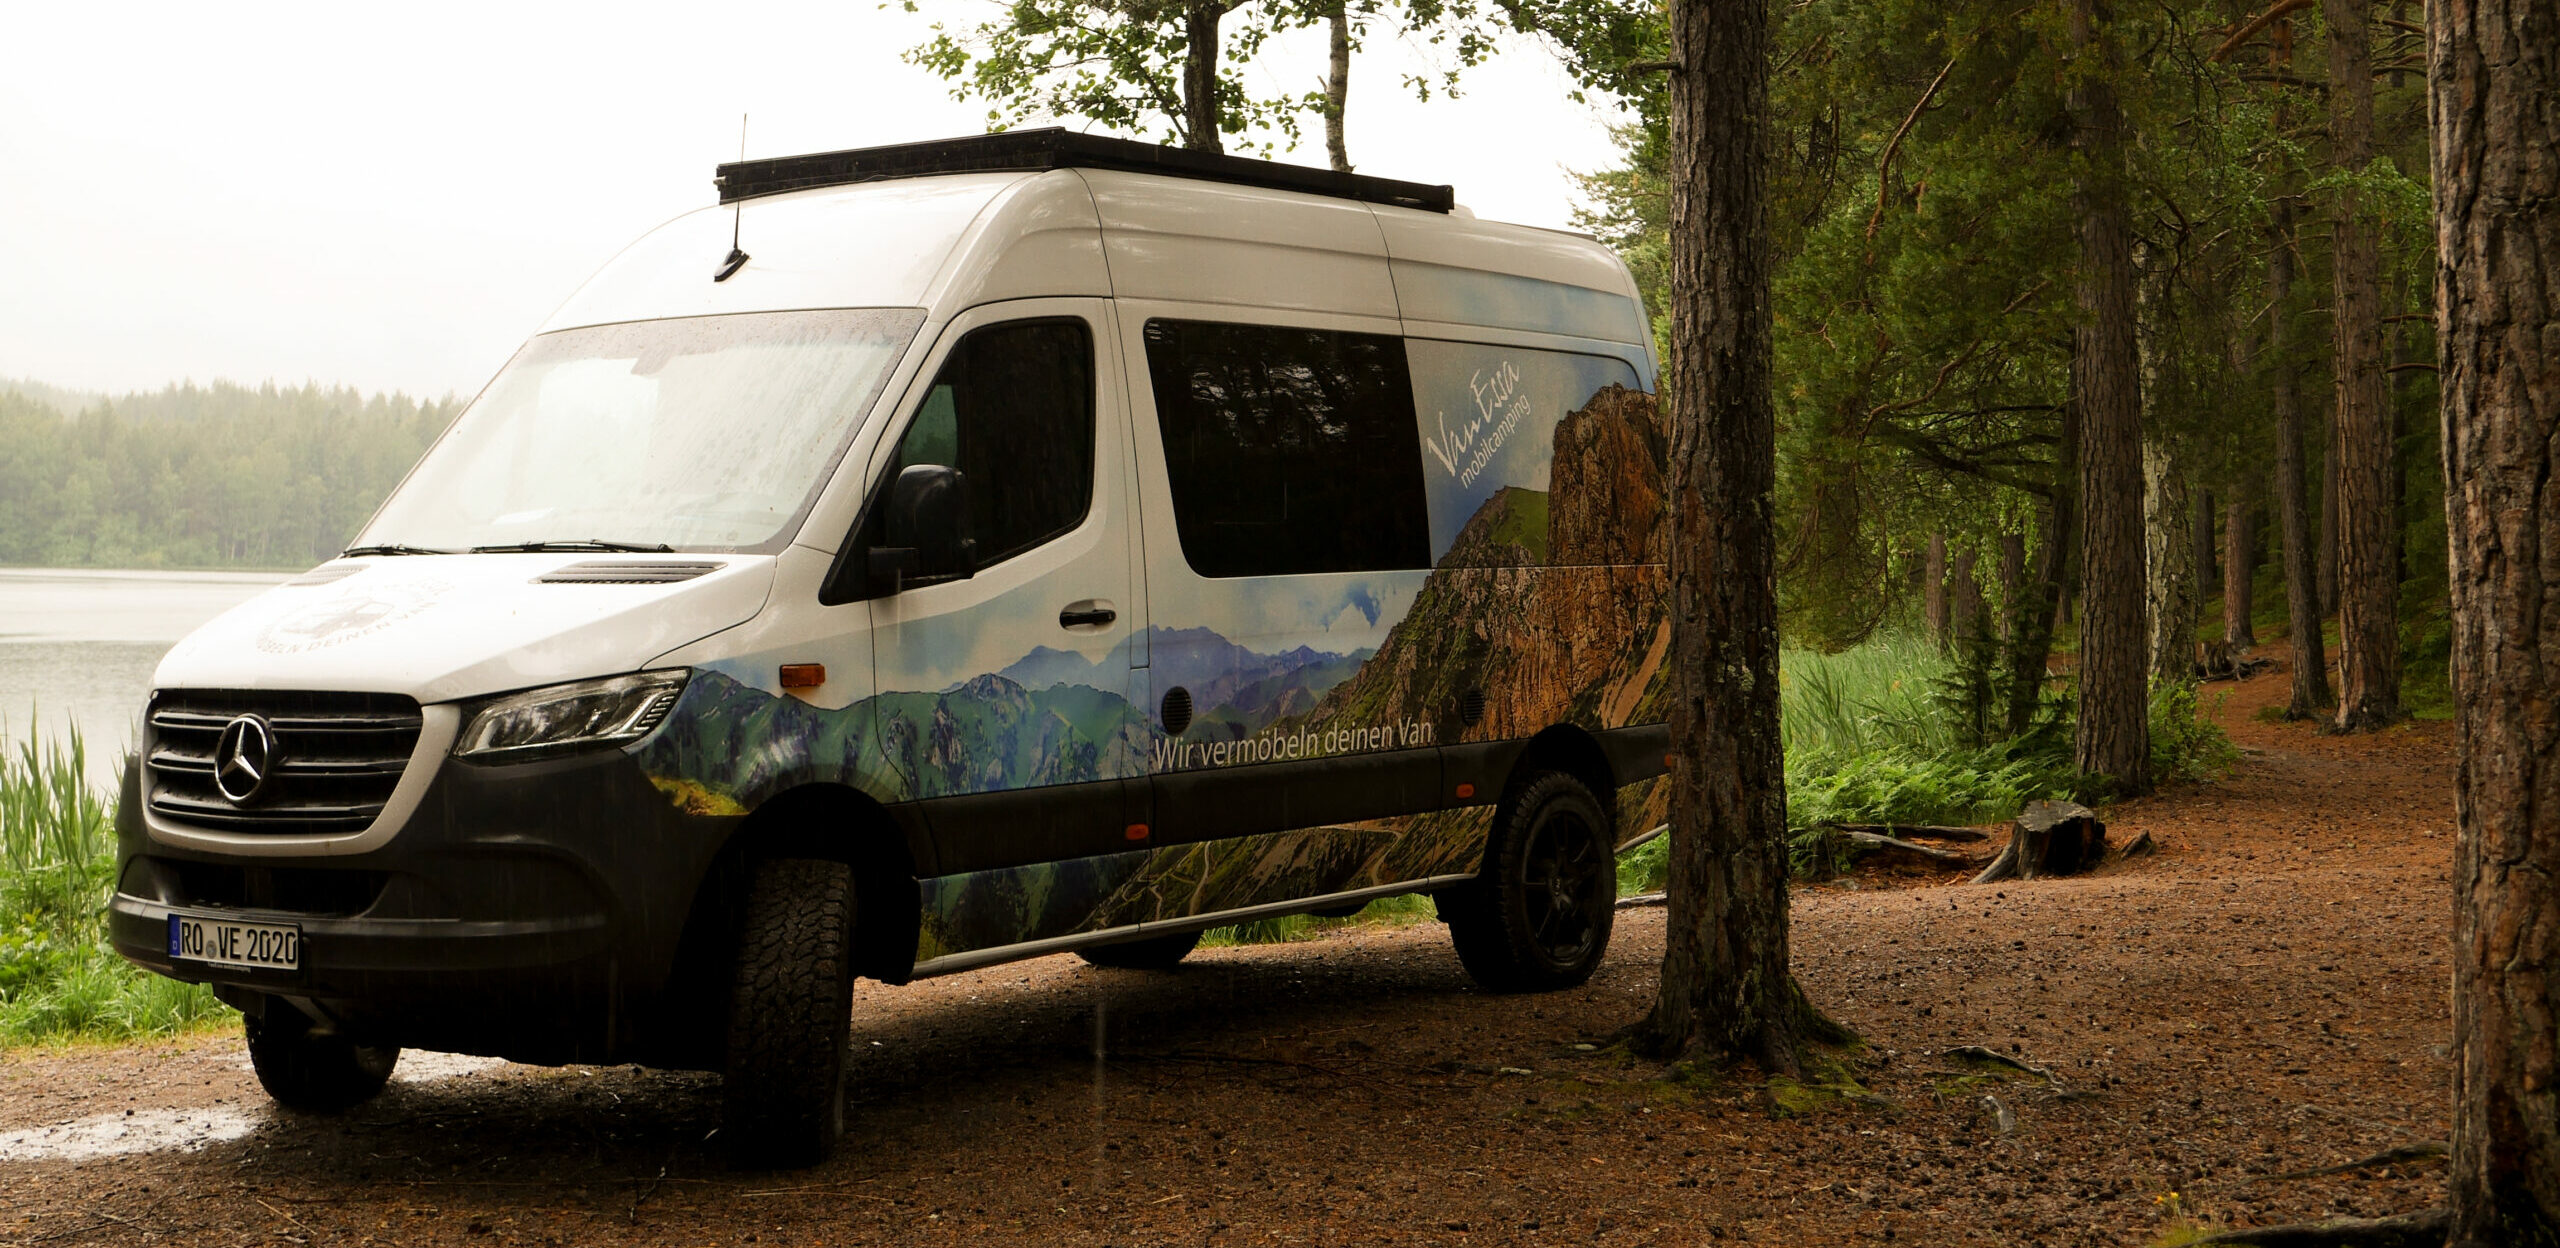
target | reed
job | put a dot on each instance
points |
(58, 979)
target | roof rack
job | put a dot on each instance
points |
(1032, 150)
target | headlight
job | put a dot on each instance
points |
(568, 717)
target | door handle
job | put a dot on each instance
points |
(1090, 613)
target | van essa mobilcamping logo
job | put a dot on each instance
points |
(1501, 404)
(1287, 745)
(342, 619)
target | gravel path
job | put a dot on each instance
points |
(2264, 997)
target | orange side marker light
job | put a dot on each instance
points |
(1137, 832)
(803, 675)
(1466, 790)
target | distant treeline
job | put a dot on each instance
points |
(199, 476)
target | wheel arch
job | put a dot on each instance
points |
(831, 822)
(1569, 749)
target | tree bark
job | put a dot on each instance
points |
(1933, 588)
(2494, 77)
(1200, 75)
(2113, 727)
(2042, 603)
(1337, 85)
(2240, 573)
(2208, 564)
(2368, 618)
(2170, 606)
(2329, 522)
(1725, 984)
(1964, 598)
(2013, 575)
(2293, 501)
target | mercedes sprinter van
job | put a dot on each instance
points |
(933, 556)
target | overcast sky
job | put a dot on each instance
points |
(394, 197)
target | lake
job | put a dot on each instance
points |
(78, 646)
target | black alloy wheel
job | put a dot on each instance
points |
(1537, 917)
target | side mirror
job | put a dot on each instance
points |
(924, 535)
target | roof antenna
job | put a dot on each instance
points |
(737, 211)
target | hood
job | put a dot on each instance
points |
(442, 627)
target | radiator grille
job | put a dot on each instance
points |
(336, 757)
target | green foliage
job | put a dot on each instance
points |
(2184, 744)
(201, 476)
(1396, 911)
(1120, 63)
(58, 979)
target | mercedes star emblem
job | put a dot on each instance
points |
(243, 759)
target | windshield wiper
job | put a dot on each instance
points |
(580, 543)
(393, 548)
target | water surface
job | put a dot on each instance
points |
(78, 646)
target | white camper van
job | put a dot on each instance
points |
(1007, 546)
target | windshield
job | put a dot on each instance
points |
(709, 431)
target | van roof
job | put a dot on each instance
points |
(1030, 151)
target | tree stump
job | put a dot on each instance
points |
(2049, 838)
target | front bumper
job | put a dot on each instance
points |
(530, 910)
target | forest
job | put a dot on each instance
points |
(2080, 415)
(199, 476)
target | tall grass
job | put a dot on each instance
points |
(1871, 738)
(58, 979)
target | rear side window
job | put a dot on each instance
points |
(1289, 451)
(1012, 409)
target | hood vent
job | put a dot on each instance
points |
(609, 572)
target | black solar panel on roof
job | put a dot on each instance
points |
(1033, 150)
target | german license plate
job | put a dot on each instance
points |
(229, 942)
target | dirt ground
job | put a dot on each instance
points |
(2265, 996)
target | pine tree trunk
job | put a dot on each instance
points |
(2208, 566)
(2112, 736)
(1933, 589)
(1725, 982)
(2494, 83)
(2013, 575)
(1337, 86)
(1200, 75)
(2368, 619)
(2293, 502)
(1964, 598)
(2166, 527)
(2494, 78)
(2042, 603)
(2240, 574)
(2170, 605)
(2329, 522)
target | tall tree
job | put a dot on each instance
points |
(1128, 64)
(2172, 593)
(1725, 983)
(2368, 606)
(2113, 728)
(2493, 73)
(1337, 84)
(2240, 568)
(2293, 502)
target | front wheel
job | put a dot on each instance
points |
(790, 1015)
(311, 1072)
(1537, 917)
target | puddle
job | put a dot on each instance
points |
(120, 1133)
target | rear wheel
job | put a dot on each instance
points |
(790, 1015)
(314, 1073)
(1537, 917)
(1155, 953)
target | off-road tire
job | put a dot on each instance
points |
(315, 1074)
(1155, 953)
(1537, 916)
(790, 1015)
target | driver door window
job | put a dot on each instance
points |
(1013, 411)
